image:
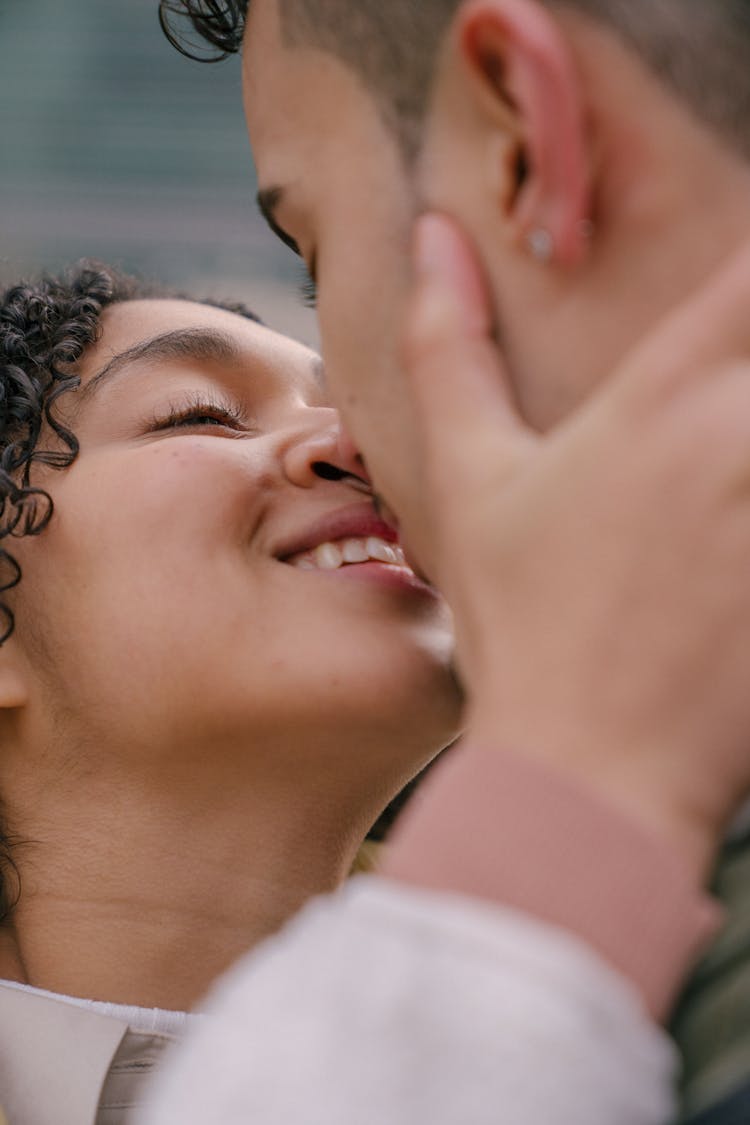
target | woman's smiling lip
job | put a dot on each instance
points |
(379, 559)
(387, 575)
(356, 521)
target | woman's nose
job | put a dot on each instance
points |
(322, 450)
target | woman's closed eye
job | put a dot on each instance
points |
(226, 417)
(203, 413)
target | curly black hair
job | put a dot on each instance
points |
(219, 23)
(45, 327)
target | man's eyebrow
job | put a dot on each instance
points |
(268, 199)
(202, 344)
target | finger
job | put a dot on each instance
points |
(465, 409)
(712, 328)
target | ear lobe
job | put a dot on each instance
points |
(525, 84)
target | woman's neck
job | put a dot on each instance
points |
(140, 897)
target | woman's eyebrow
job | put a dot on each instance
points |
(205, 345)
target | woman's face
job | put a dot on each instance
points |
(187, 591)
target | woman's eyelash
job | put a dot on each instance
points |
(198, 410)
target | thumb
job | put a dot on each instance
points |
(464, 406)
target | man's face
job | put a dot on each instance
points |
(337, 186)
(345, 199)
(333, 182)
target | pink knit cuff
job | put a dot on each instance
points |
(499, 826)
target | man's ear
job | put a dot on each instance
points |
(523, 80)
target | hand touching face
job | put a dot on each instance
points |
(598, 574)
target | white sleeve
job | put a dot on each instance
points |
(386, 1005)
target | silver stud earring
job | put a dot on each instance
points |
(541, 244)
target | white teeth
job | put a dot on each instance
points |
(380, 551)
(355, 551)
(328, 556)
(332, 556)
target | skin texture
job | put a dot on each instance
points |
(597, 596)
(197, 735)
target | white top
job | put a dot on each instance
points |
(150, 1021)
(386, 1004)
(88, 1070)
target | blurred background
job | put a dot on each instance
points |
(112, 145)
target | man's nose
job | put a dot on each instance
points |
(322, 450)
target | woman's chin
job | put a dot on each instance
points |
(428, 695)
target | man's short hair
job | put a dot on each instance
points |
(698, 48)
